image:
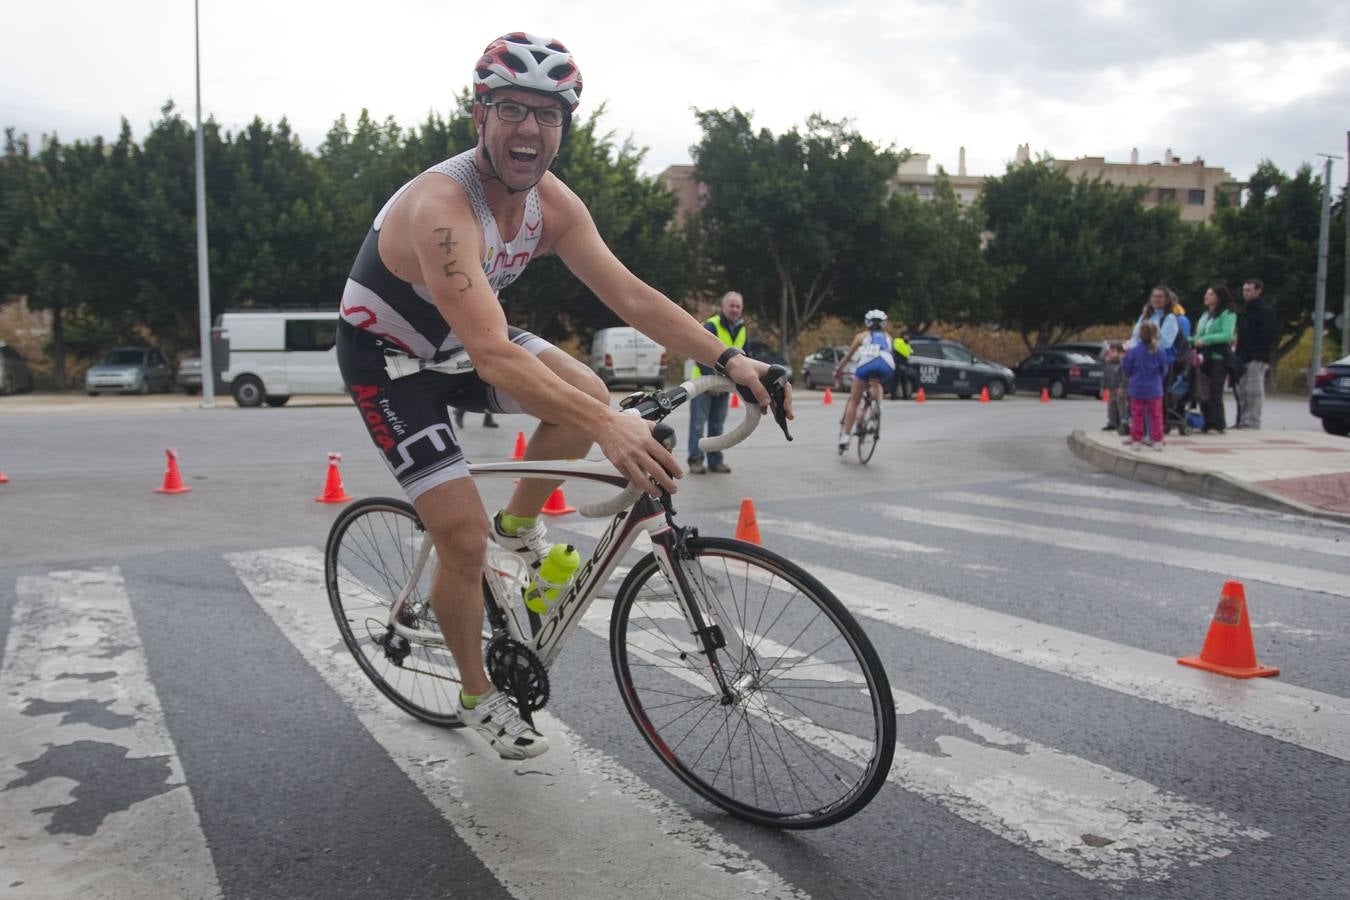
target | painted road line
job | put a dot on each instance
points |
(1295, 715)
(1226, 565)
(1096, 822)
(805, 530)
(92, 799)
(1103, 493)
(1265, 537)
(612, 817)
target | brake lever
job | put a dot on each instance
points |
(775, 382)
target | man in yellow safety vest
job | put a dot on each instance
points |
(711, 409)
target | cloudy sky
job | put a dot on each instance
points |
(1233, 82)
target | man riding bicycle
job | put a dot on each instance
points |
(424, 288)
(876, 363)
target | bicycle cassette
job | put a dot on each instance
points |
(509, 662)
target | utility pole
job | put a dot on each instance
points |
(203, 276)
(1345, 299)
(1320, 302)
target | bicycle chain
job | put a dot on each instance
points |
(505, 658)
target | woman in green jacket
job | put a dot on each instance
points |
(1213, 339)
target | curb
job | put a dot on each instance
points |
(1213, 485)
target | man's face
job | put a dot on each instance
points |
(732, 306)
(1250, 291)
(521, 151)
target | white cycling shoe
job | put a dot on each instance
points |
(496, 718)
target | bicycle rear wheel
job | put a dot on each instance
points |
(371, 551)
(806, 737)
(869, 430)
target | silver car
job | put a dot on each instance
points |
(15, 376)
(129, 370)
(818, 368)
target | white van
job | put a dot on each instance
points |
(627, 356)
(272, 355)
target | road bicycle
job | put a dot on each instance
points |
(867, 426)
(747, 676)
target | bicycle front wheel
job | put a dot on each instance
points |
(370, 557)
(803, 734)
(869, 432)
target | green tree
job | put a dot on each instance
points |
(791, 219)
(1073, 254)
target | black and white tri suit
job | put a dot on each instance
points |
(382, 315)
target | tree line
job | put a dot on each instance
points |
(803, 223)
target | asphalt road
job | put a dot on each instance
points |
(179, 718)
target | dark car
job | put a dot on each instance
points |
(818, 368)
(942, 366)
(766, 354)
(15, 376)
(137, 370)
(1061, 372)
(1330, 400)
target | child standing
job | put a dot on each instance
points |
(1145, 365)
(1113, 380)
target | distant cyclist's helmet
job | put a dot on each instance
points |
(875, 318)
(522, 60)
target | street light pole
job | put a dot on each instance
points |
(1320, 301)
(203, 276)
(1345, 299)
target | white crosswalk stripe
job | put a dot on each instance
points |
(89, 779)
(511, 814)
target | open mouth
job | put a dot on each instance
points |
(523, 154)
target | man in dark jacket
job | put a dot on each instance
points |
(1257, 331)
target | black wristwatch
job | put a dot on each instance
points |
(720, 367)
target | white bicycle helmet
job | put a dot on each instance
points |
(875, 318)
(524, 61)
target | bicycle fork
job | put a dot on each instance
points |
(714, 631)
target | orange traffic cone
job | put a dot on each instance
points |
(735, 400)
(1106, 395)
(747, 526)
(1045, 395)
(829, 398)
(1228, 647)
(4, 479)
(519, 452)
(556, 505)
(984, 395)
(173, 482)
(919, 396)
(333, 492)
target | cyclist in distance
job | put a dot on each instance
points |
(424, 288)
(876, 364)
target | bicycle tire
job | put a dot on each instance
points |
(371, 550)
(869, 431)
(796, 754)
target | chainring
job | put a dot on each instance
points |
(507, 659)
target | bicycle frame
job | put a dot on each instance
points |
(645, 514)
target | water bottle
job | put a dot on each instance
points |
(553, 575)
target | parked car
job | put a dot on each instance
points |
(1095, 349)
(624, 355)
(818, 368)
(766, 354)
(1330, 400)
(190, 374)
(942, 366)
(15, 376)
(1061, 372)
(129, 370)
(268, 356)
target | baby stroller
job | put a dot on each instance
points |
(1179, 396)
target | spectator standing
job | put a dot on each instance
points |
(1113, 380)
(1257, 330)
(1145, 365)
(710, 410)
(488, 421)
(901, 351)
(1213, 340)
(1158, 310)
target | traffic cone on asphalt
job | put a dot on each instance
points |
(173, 481)
(1106, 395)
(829, 398)
(519, 452)
(984, 395)
(3, 478)
(919, 397)
(1228, 647)
(735, 400)
(1045, 395)
(556, 505)
(747, 527)
(333, 492)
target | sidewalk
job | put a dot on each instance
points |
(1304, 472)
